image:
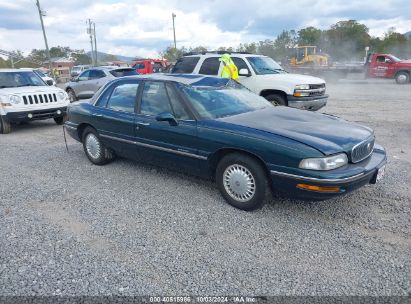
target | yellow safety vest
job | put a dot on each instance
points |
(229, 71)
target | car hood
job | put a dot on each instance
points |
(30, 89)
(293, 78)
(326, 133)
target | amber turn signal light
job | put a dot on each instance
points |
(332, 189)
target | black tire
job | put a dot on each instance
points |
(5, 126)
(233, 173)
(276, 99)
(60, 120)
(402, 78)
(72, 95)
(94, 148)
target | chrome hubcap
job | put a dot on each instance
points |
(402, 78)
(93, 146)
(239, 183)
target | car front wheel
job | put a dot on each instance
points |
(402, 78)
(72, 96)
(242, 181)
(5, 126)
(276, 99)
(95, 150)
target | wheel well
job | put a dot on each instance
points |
(218, 155)
(405, 71)
(81, 128)
(265, 93)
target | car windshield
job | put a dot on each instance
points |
(40, 73)
(20, 79)
(123, 72)
(212, 102)
(265, 65)
(396, 59)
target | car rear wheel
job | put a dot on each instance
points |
(72, 95)
(242, 181)
(94, 148)
(402, 78)
(276, 99)
(5, 126)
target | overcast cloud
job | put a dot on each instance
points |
(142, 27)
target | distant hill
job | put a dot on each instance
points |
(110, 57)
(408, 34)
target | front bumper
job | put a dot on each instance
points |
(311, 103)
(35, 115)
(348, 178)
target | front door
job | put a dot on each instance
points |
(174, 145)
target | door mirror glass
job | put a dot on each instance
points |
(244, 72)
(49, 82)
(388, 60)
(167, 116)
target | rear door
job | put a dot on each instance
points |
(158, 141)
(114, 116)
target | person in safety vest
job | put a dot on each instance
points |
(229, 70)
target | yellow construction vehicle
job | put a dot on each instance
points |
(307, 56)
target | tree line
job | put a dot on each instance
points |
(343, 41)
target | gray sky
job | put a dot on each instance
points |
(142, 27)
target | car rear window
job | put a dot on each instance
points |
(210, 66)
(123, 72)
(185, 65)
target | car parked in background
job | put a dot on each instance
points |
(215, 127)
(263, 76)
(47, 79)
(91, 80)
(77, 69)
(149, 66)
(24, 97)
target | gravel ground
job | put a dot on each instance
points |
(71, 228)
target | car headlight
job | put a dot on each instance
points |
(324, 163)
(62, 95)
(302, 87)
(14, 99)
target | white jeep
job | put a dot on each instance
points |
(263, 76)
(24, 96)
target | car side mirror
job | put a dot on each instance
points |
(49, 82)
(244, 72)
(388, 60)
(167, 116)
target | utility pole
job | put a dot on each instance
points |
(91, 42)
(95, 42)
(174, 30)
(41, 14)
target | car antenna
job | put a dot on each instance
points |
(65, 139)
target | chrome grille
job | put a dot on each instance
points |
(39, 98)
(362, 150)
(317, 89)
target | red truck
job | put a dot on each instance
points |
(388, 66)
(149, 66)
(376, 66)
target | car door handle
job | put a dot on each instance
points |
(141, 123)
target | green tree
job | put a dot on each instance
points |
(282, 45)
(247, 47)
(310, 36)
(172, 54)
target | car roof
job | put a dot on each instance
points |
(187, 79)
(219, 55)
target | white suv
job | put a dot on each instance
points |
(24, 96)
(263, 76)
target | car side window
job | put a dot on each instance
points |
(185, 65)
(210, 66)
(154, 100)
(240, 63)
(123, 97)
(381, 59)
(84, 76)
(178, 109)
(96, 74)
